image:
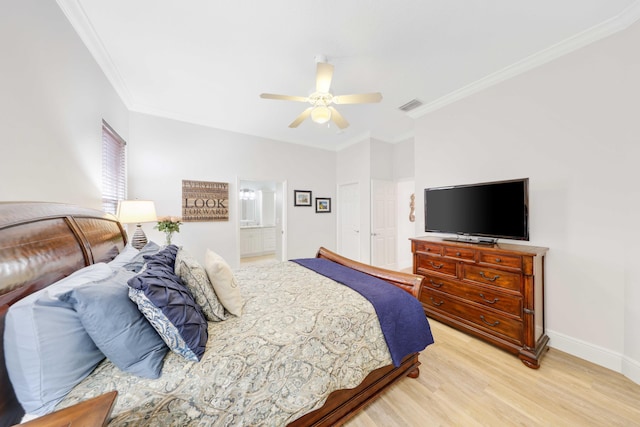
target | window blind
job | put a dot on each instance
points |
(114, 169)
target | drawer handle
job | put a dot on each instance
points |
(437, 304)
(491, 279)
(434, 265)
(458, 254)
(496, 323)
(435, 285)
(498, 260)
(495, 300)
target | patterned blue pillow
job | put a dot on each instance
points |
(170, 308)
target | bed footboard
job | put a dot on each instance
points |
(411, 283)
(341, 405)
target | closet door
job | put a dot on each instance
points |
(349, 221)
(383, 224)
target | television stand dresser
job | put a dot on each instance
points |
(495, 292)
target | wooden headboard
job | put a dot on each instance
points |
(41, 243)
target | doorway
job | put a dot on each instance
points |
(261, 221)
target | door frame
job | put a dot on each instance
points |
(281, 214)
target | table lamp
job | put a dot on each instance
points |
(137, 212)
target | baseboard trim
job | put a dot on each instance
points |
(631, 369)
(596, 354)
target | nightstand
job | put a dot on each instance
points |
(90, 413)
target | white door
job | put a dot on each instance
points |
(349, 221)
(383, 224)
(281, 221)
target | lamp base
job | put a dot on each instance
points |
(139, 239)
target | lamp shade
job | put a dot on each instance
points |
(136, 211)
(321, 114)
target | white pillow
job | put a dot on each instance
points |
(47, 350)
(225, 285)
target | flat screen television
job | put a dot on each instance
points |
(487, 211)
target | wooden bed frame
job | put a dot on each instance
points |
(41, 243)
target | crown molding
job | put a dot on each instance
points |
(611, 26)
(364, 136)
(79, 21)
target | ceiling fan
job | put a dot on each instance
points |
(321, 110)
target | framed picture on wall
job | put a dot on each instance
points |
(301, 198)
(323, 205)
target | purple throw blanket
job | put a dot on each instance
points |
(402, 318)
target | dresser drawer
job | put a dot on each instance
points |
(501, 260)
(489, 320)
(489, 276)
(426, 263)
(511, 304)
(460, 253)
(427, 247)
(440, 284)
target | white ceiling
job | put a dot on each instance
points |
(206, 61)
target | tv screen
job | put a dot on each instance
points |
(491, 209)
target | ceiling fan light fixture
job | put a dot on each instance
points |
(321, 114)
(321, 109)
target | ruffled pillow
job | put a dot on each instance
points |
(170, 308)
(166, 256)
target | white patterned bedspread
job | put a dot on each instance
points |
(301, 336)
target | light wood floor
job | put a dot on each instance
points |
(466, 382)
(262, 259)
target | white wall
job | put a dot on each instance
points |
(406, 228)
(404, 160)
(572, 127)
(53, 97)
(404, 175)
(381, 160)
(163, 152)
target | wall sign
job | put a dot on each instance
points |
(205, 201)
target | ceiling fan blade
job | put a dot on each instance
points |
(301, 117)
(338, 119)
(363, 98)
(324, 74)
(284, 97)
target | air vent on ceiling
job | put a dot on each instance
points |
(413, 104)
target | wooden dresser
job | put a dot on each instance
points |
(495, 292)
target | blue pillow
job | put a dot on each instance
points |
(47, 349)
(126, 256)
(117, 327)
(138, 261)
(170, 308)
